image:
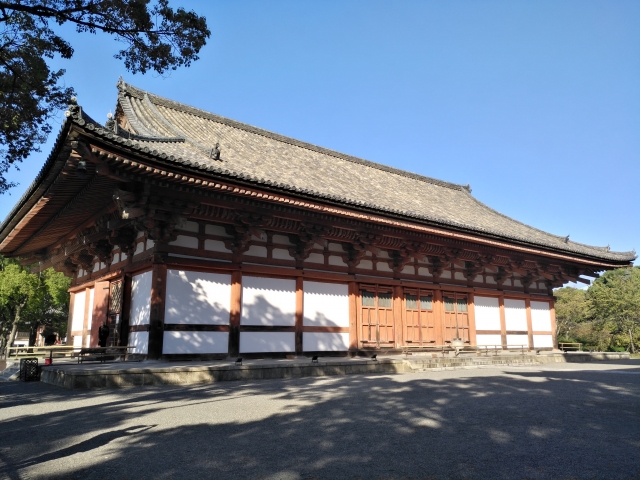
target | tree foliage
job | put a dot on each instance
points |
(155, 37)
(28, 300)
(606, 315)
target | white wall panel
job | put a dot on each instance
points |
(140, 340)
(77, 342)
(517, 340)
(268, 301)
(487, 313)
(77, 321)
(325, 342)
(197, 298)
(515, 315)
(195, 342)
(326, 304)
(216, 246)
(488, 339)
(540, 317)
(543, 341)
(258, 342)
(140, 299)
(185, 241)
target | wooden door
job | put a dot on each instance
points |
(420, 320)
(456, 317)
(376, 314)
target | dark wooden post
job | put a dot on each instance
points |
(472, 320)
(527, 303)
(156, 317)
(503, 322)
(353, 316)
(234, 317)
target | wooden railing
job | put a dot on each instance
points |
(36, 352)
(570, 346)
(407, 349)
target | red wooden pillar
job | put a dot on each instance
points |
(72, 301)
(552, 314)
(438, 311)
(527, 303)
(234, 317)
(156, 317)
(299, 314)
(353, 316)
(503, 322)
(397, 316)
(100, 309)
(472, 320)
(85, 323)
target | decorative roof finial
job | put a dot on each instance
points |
(121, 85)
(566, 239)
(111, 123)
(73, 110)
(215, 152)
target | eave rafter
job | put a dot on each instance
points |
(145, 203)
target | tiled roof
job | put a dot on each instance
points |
(187, 135)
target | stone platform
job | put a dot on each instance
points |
(130, 374)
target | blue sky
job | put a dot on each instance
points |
(535, 104)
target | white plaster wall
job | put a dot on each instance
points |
(139, 249)
(140, 299)
(543, 341)
(140, 340)
(488, 339)
(281, 239)
(487, 313)
(409, 270)
(77, 342)
(215, 230)
(459, 276)
(77, 321)
(366, 264)
(257, 342)
(424, 272)
(281, 254)
(540, 317)
(256, 251)
(268, 301)
(185, 241)
(335, 247)
(325, 304)
(383, 267)
(517, 340)
(337, 261)
(197, 298)
(515, 314)
(195, 342)
(325, 342)
(189, 226)
(315, 258)
(216, 246)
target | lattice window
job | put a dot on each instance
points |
(115, 297)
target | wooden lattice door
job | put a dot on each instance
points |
(420, 319)
(114, 314)
(376, 314)
(456, 317)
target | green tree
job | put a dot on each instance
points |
(30, 300)
(572, 308)
(614, 301)
(155, 38)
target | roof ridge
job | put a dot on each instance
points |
(139, 93)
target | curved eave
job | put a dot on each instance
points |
(34, 194)
(607, 260)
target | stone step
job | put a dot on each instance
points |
(11, 372)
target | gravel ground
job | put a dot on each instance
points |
(553, 421)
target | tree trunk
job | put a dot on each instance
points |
(633, 350)
(14, 328)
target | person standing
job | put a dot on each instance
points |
(103, 335)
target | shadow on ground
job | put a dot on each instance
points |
(472, 424)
